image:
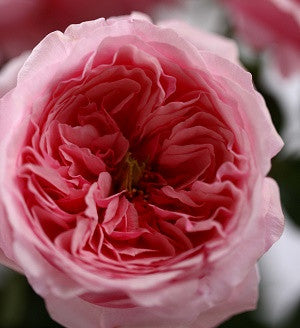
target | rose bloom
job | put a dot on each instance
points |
(23, 23)
(133, 176)
(273, 25)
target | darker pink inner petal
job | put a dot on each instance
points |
(130, 164)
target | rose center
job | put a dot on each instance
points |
(131, 173)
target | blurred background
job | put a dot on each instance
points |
(269, 42)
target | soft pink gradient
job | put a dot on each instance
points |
(272, 25)
(23, 23)
(9, 73)
(181, 249)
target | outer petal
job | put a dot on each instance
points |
(214, 43)
(78, 313)
(274, 219)
(73, 312)
(37, 269)
(9, 73)
(243, 298)
(266, 141)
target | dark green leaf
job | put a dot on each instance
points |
(286, 171)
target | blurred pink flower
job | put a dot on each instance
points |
(133, 162)
(23, 23)
(270, 24)
(280, 278)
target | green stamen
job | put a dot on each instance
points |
(131, 173)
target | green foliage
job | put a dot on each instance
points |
(244, 320)
(286, 171)
(20, 307)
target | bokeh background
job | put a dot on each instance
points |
(279, 304)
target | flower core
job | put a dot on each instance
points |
(129, 160)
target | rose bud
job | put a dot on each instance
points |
(133, 188)
(272, 25)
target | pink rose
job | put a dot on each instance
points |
(270, 24)
(133, 176)
(24, 23)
